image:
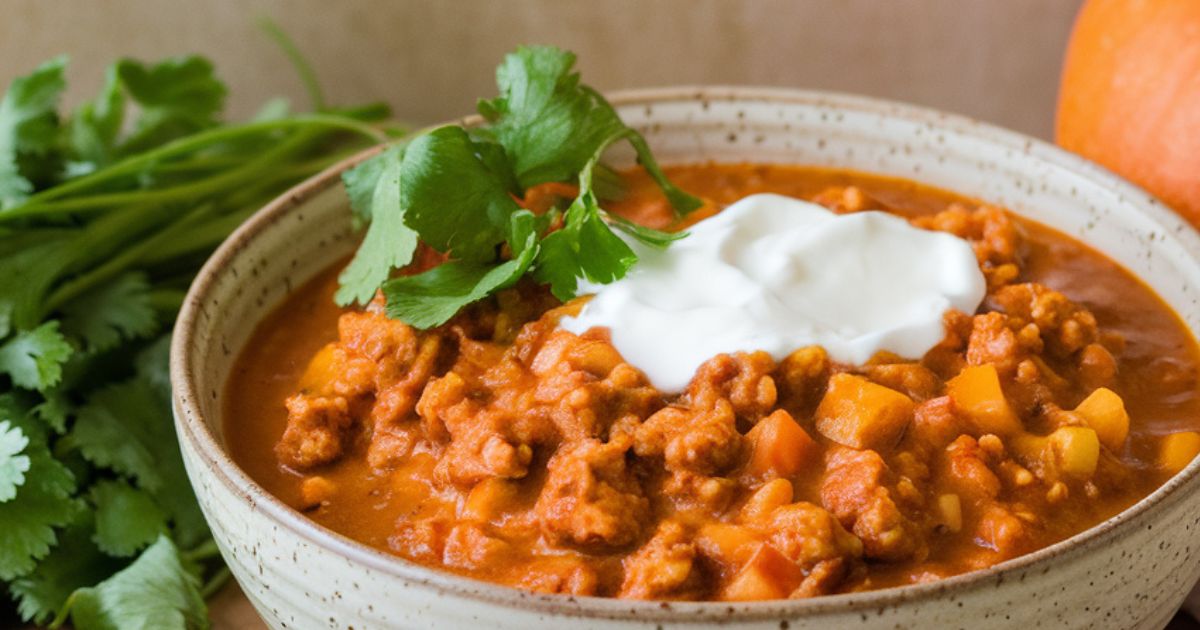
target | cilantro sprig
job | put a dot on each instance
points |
(106, 213)
(457, 190)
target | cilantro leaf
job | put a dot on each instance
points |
(152, 365)
(389, 243)
(552, 125)
(75, 562)
(13, 465)
(452, 197)
(177, 97)
(27, 274)
(127, 427)
(360, 181)
(28, 126)
(42, 502)
(584, 248)
(649, 236)
(34, 358)
(458, 191)
(156, 591)
(96, 124)
(431, 298)
(127, 519)
(176, 495)
(547, 121)
(123, 427)
(54, 408)
(118, 310)
(6, 309)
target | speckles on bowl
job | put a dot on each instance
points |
(297, 575)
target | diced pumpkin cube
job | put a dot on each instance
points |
(729, 545)
(1076, 450)
(949, 510)
(976, 394)
(1104, 411)
(860, 414)
(767, 575)
(779, 447)
(1030, 450)
(320, 369)
(771, 495)
(1178, 450)
(488, 499)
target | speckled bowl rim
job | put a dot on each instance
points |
(194, 430)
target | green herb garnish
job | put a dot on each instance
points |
(106, 213)
(456, 189)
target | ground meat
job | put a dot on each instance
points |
(992, 233)
(808, 534)
(665, 567)
(856, 490)
(702, 441)
(934, 425)
(468, 546)
(696, 447)
(801, 378)
(744, 379)
(845, 199)
(318, 428)
(913, 379)
(992, 341)
(824, 578)
(1001, 531)
(1065, 326)
(1097, 367)
(967, 470)
(590, 497)
(564, 574)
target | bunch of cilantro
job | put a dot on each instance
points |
(106, 213)
(456, 189)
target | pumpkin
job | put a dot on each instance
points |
(1130, 95)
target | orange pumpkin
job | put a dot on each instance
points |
(1130, 95)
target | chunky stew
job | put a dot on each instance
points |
(501, 447)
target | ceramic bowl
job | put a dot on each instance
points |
(1129, 572)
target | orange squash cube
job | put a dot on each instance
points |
(729, 545)
(977, 395)
(767, 575)
(860, 414)
(321, 370)
(779, 447)
(1178, 450)
(1076, 450)
(769, 496)
(1104, 411)
(488, 499)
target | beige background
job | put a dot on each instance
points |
(992, 59)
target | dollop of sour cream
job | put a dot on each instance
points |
(775, 273)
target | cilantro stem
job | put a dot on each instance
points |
(215, 583)
(307, 76)
(134, 164)
(228, 179)
(120, 262)
(167, 300)
(204, 551)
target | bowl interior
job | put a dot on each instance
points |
(309, 229)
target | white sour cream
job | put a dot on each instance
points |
(775, 273)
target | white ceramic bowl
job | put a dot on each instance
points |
(1129, 572)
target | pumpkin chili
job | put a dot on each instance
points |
(501, 447)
